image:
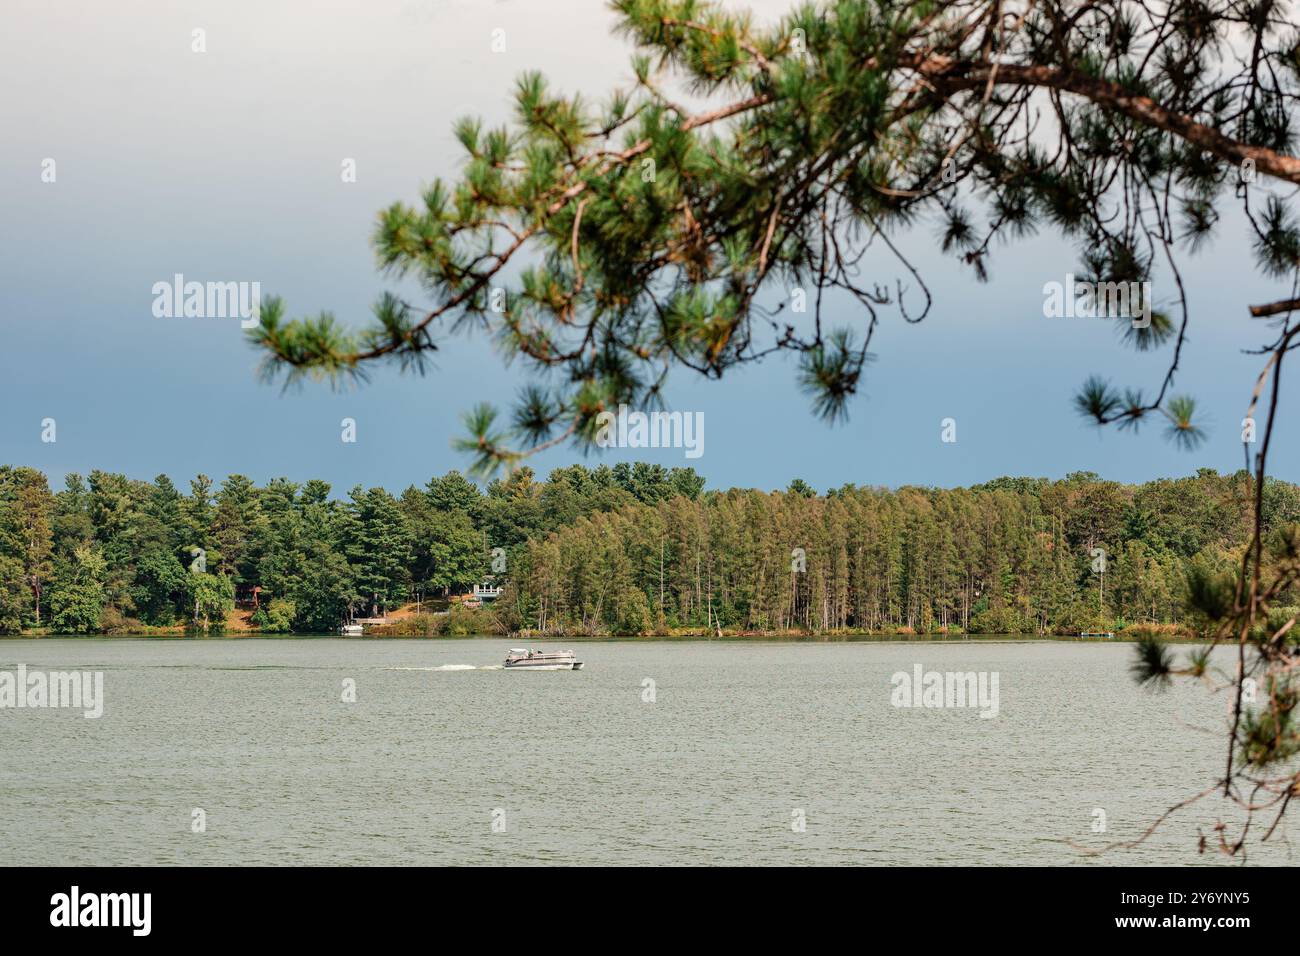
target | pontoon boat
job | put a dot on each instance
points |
(542, 660)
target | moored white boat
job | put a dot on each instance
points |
(521, 658)
(352, 630)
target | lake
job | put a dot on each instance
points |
(739, 752)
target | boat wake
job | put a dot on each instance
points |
(447, 667)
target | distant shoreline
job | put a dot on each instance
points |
(1125, 637)
(623, 550)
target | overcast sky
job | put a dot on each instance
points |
(225, 166)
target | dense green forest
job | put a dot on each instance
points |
(109, 553)
(627, 549)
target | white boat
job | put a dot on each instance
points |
(523, 659)
(351, 630)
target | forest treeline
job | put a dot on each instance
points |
(627, 549)
(112, 554)
(1014, 555)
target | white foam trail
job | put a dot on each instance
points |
(443, 667)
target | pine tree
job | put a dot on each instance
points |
(377, 548)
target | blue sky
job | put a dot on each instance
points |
(225, 166)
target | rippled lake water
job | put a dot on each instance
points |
(742, 740)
